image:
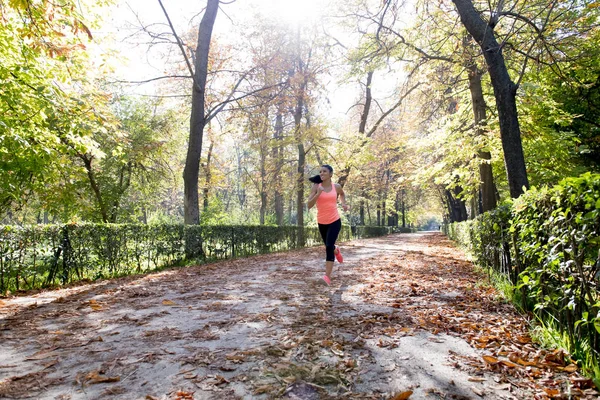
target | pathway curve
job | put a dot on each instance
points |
(405, 313)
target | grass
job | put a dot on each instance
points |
(547, 334)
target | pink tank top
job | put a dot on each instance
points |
(327, 211)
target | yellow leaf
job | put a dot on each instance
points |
(552, 392)
(168, 303)
(490, 360)
(526, 363)
(403, 395)
(570, 368)
(95, 377)
(509, 364)
(95, 305)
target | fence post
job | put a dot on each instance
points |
(232, 242)
(67, 250)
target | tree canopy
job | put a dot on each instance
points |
(422, 108)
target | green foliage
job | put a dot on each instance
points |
(548, 244)
(46, 255)
(46, 105)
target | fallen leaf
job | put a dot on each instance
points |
(490, 360)
(181, 395)
(570, 368)
(50, 364)
(526, 363)
(552, 392)
(95, 305)
(403, 395)
(475, 379)
(504, 386)
(477, 391)
(168, 303)
(235, 357)
(263, 389)
(94, 377)
(40, 355)
(96, 339)
(509, 364)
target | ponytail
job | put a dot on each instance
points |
(316, 179)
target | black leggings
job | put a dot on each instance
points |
(329, 233)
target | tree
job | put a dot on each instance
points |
(46, 101)
(505, 91)
(131, 164)
(198, 117)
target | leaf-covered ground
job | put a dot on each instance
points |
(406, 317)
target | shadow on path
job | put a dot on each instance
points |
(394, 320)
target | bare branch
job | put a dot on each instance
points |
(179, 42)
(219, 107)
(395, 106)
(154, 79)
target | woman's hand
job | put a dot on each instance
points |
(346, 207)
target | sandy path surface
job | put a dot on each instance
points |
(405, 313)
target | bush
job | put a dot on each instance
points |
(48, 255)
(547, 242)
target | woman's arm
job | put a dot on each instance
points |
(341, 195)
(314, 195)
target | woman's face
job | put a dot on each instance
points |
(325, 173)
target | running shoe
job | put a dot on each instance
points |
(338, 255)
(327, 280)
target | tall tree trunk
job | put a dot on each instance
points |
(403, 207)
(395, 216)
(207, 177)
(362, 212)
(504, 91)
(197, 117)
(300, 169)
(364, 116)
(263, 186)
(87, 162)
(486, 177)
(240, 190)
(379, 209)
(278, 156)
(367, 107)
(457, 209)
(298, 113)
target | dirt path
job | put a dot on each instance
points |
(404, 313)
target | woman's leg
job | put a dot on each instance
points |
(332, 235)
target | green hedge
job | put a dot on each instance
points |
(548, 243)
(47, 255)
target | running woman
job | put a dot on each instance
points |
(324, 194)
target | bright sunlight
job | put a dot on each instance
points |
(296, 12)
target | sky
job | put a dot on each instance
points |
(137, 64)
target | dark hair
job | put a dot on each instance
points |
(317, 178)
